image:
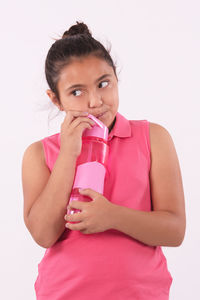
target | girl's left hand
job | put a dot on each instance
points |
(95, 215)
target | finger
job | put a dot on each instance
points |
(77, 113)
(82, 119)
(72, 114)
(79, 226)
(89, 192)
(76, 217)
(76, 204)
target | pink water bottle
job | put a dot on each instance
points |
(91, 164)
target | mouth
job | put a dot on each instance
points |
(100, 115)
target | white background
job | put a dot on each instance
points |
(156, 45)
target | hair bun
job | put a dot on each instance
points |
(79, 28)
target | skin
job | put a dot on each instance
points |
(94, 97)
(165, 225)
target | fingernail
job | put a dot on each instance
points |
(85, 113)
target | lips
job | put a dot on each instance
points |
(98, 116)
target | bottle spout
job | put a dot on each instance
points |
(98, 130)
(97, 121)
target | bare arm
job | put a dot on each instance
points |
(165, 226)
(45, 217)
(154, 228)
(46, 194)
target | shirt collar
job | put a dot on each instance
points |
(122, 127)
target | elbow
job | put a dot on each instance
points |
(180, 235)
(38, 237)
(40, 241)
(177, 235)
(45, 243)
(180, 240)
(178, 243)
(42, 244)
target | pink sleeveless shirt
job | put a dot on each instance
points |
(108, 265)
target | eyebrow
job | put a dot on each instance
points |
(82, 85)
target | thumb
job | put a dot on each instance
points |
(89, 192)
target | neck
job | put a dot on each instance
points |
(112, 125)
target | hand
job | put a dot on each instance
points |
(72, 128)
(95, 215)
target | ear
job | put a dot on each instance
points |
(54, 99)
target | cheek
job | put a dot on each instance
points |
(112, 95)
(75, 105)
(113, 99)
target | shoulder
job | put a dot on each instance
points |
(34, 149)
(161, 145)
(163, 151)
(159, 135)
(35, 146)
(157, 128)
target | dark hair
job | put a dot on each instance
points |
(75, 42)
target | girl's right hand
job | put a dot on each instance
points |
(72, 128)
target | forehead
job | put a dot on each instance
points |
(84, 69)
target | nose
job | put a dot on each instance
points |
(95, 100)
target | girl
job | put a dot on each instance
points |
(114, 251)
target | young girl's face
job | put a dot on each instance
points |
(96, 88)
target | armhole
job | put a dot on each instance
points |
(45, 152)
(148, 141)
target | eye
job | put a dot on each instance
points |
(74, 92)
(107, 81)
(104, 81)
